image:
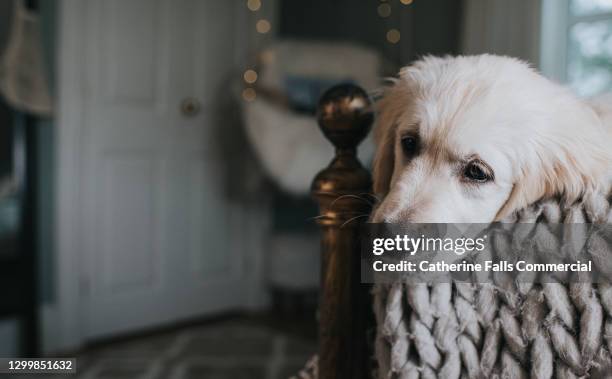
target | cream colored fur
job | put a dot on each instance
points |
(539, 139)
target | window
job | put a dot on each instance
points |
(577, 44)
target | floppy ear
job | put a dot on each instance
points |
(527, 190)
(390, 108)
(563, 171)
(384, 159)
(394, 103)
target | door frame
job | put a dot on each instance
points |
(65, 322)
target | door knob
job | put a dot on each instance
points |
(190, 107)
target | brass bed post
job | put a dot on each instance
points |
(342, 192)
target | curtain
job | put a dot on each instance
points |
(503, 27)
(23, 79)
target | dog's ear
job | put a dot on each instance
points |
(527, 190)
(389, 108)
(569, 158)
(560, 172)
(384, 159)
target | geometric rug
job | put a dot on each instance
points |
(223, 350)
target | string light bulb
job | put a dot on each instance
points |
(254, 5)
(250, 76)
(384, 10)
(249, 94)
(263, 26)
(393, 36)
(406, 2)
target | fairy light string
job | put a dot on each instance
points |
(250, 75)
(263, 26)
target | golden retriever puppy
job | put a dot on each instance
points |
(473, 138)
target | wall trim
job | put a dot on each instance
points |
(66, 320)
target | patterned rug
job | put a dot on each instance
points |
(224, 350)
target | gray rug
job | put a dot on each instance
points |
(224, 350)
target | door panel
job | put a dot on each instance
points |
(131, 50)
(212, 52)
(128, 256)
(157, 223)
(205, 247)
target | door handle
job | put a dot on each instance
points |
(190, 107)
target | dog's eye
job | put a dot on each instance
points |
(477, 172)
(410, 145)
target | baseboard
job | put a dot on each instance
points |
(49, 329)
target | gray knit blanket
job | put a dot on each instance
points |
(501, 329)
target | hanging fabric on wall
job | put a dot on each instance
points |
(23, 81)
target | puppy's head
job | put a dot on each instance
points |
(472, 139)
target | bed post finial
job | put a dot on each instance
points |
(342, 192)
(345, 115)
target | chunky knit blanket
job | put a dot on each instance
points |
(501, 329)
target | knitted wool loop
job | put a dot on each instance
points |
(503, 329)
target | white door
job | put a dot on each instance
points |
(161, 241)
